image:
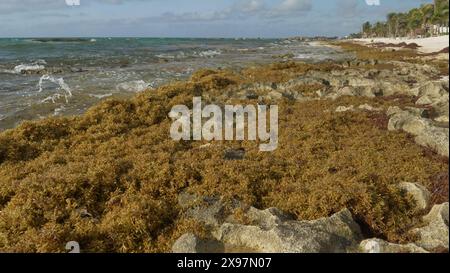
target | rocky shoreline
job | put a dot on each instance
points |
(272, 231)
(365, 156)
(234, 227)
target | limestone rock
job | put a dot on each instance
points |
(420, 194)
(189, 243)
(338, 233)
(369, 108)
(381, 246)
(341, 109)
(267, 230)
(275, 95)
(434, 236)
(436, 138)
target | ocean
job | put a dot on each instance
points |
(45, 77)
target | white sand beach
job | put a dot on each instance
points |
(427, 45)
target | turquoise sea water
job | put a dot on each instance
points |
(42, 77)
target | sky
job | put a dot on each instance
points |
(192, 18)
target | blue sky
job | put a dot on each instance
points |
(191, 18)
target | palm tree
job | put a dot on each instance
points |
(392, 20)
(411, 23)
(427, 15)
(414, 20)
(441, 13)
(367, 29)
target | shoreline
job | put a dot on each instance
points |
(350, 149)
(427, 45)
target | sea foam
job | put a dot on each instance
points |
(19, 69)
(62, 86)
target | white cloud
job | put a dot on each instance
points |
(14, 6)
(251, 6)
(242, 9)
(295, 5)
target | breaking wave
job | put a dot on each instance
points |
(66, 94)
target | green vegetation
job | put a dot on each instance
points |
(418, 21)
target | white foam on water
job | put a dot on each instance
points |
(59, 110)
(133, 86)
(28, 67)
(179, 55)
(165, 56)
(7, 71)
(209, 53)
(100, 96)
(62, 86)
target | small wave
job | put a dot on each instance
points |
(305, 56)
(209, 53)
(133, 86)
(22, 68)
(100, 96)
(61, 85)
(179, 55)
(7, 71)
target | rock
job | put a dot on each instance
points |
(264, 231)
(189, 243)
(273, 234)
(425, 100)
(360, 81)
(443, 119)
(346, 91)
(434, 236)
(441, 110)
(342, 109)
(432, 93)
(360, 91)
(436, 138)
(432, 89)
(369, 108)
(420, 112)
(275, 95)
(420, 194)
(381, 246)
(210, 211)
(426, 134)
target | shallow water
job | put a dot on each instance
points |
(81, 72)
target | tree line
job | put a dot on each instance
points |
(427, 20)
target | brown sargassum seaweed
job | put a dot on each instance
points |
(110, 178)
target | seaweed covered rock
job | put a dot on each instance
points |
(190, 243)
(425, 132)
(420, 194)
(271, 234)
(268, 231)
(434, 236)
